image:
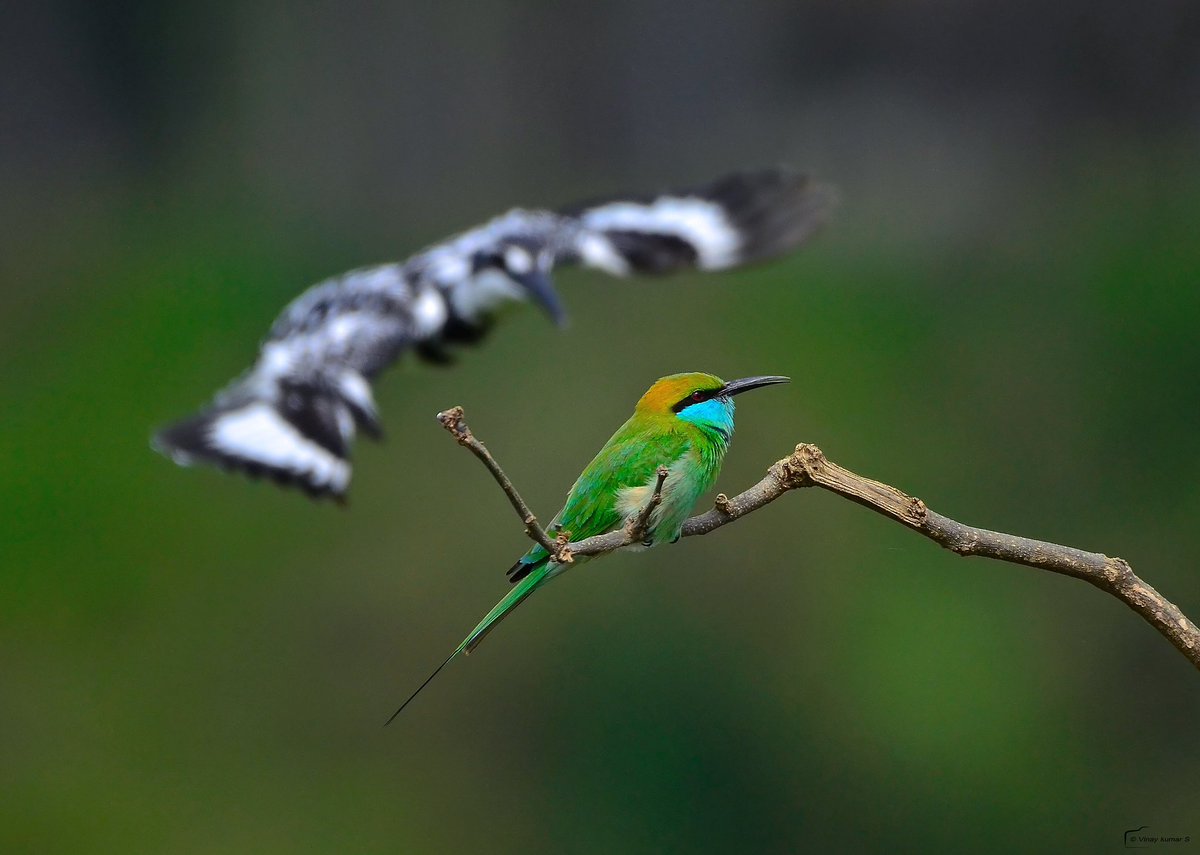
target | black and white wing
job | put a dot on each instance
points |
(742, 218)
(293, 416)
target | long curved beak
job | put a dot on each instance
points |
(736, 387)
(541, 286)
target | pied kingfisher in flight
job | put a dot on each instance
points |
(293, 415)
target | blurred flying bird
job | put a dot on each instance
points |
(684, 423)
(294, 415)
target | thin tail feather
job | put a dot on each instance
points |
(510, 601)
(535, 577)
(428, 680)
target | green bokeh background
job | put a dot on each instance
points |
(197, 663)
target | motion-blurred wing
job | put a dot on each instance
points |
(294, 415)
(739, 219)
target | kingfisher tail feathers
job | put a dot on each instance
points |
(738, 219)
(534, 579)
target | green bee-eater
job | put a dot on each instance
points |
(685, 423)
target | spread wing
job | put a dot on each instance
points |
(739, 219)
(294, 415)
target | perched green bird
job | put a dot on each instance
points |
(684, 422)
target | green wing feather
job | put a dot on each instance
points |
(629, 459)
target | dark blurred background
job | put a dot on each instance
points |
(1001, 319)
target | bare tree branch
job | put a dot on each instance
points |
(452, 420)
(808, 467)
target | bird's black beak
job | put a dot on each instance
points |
(541, 286)
(736, 387)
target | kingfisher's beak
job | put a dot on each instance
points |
(736, 387)
(541, 286)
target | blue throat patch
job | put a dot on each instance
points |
(715, 414)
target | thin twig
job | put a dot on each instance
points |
(808, 467)
(452, 420)
(639, 526)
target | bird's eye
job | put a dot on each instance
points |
(697, 396)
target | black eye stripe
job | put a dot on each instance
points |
(696, 396)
